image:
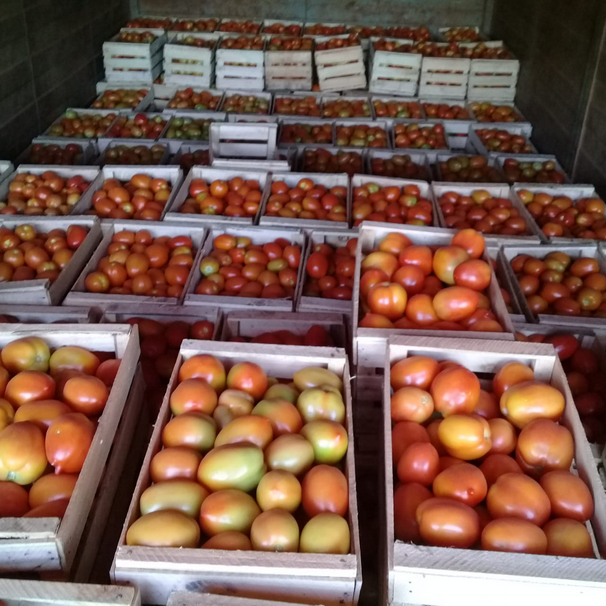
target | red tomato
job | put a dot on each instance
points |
(420, 462)
(388, 299)
(406, 499)
(317, 265)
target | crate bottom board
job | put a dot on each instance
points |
(343, 83)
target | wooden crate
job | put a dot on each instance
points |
(574, 192)
(340, 69)
(133, 62)
(248, 143)
(493, 79)
(418, 157)
(260, 235)
(499, 103)
(353, 95)
(369, 343)
(457, 131)
(386, 125)
(239, 69)
(16, 592)
(82, 113)
(43, 291)
(42, 314)
(444, 77)
(303, 120)
(79, 296)
(185, 598)
(424, 188)
(209, 175)
(172, 174)
(145, 103)
(6, 168)
(445, 156)
(288, 70)
(249, 324)
(291, 179)
(393, 72)
(475, 145)
(268, 22)
(194, 115)
(225, 20)
(500, 160)
(442, 31)
(589, 249)
(46, 544)
(437, 576)
(105, 144)
(318, 304)
(331, 580)
(87, 157)
(186, 65)
(532, 235)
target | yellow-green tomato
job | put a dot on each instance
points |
(186, 496)
(275, 530)
(315, 376)
(238, 466)
(291, 452)
(321, 403)
(239, 402)
(279, 490)
(222, 416)
(325, 533)
(192, 429)
(167, 528)
(231, 540)
(280, 390)
(227, 510)
(251, 429)
(329, 440)
(282, 414)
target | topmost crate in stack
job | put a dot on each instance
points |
(189, 58)
(240, 62)
(289, 63)
(340, 63)
(395, 69)
(134, 55)
(445, 77)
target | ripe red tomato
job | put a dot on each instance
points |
(388, 299)
(317, 265)
(420, 463)
(406, 499)
(445, 522)
(455, 391)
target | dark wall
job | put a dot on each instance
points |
(50, 57)
(557, 42)
(380, 12)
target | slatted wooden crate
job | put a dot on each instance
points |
(504, 279)
(87, 157)
(500, 104)
(239, 69)
(6, 168)
(491, 161)
(305, 303)
(591, 250)
(81, 114)
(444, 77)
(417, 157)
(186, 65)
(209, 116)
(144, 104)
(43, 291)
(42, 314)
(291, 179)
(457, 131)
(47, 544)
(172, 174)
(184, 598)
(134, 62)
(574, 192)
(249, 324)
(532, 235)
(288, 70)
(437, 576)
(340, 69)
(15, 592)
(475, 144)
(210, 175)
(260, 235)
(394, 72)
(431, 153)
(310, 578)
(79, 296)
(443, 31)
(501, 159)
(369, 343)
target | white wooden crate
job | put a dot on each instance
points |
(574, 192)
(340, 69)
(498, 103)
(17, 592)
(46, 544)
(43, 291)
(43, 314)
(592, 250)
(444, 77)
(352, 96)
(239, 69)
(532, 235)
(475, 144)
(369, 343)
(82, 113)
(172, 174)
(288, 70)
(79, 296)
(249, 324)
(320, 304)
(443, 31)
(386, 125)
(417, 157)
(211, 174)
(260, 235)
(438, 576)
(501, 158)
(184, 598)
(330, 580)
(105, 144)
(393, 72)
(291, 179)
(6, 168)
(445, 156)
(101, 87)
(87, 157)
(186, 65)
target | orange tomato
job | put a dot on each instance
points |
(465, 437)
(68, 440)
(417, 371)
(463, 482)
(455, 391)
(445, 522)
(388, 300)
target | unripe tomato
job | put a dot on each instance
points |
(275, 530)
(325, 533)
(22, 456)
(228, 510)
(168, 528)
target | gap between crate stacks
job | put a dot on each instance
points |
(189, 65)
(444, 77)
(239, 69)
(289, 70)
(394, 72)
(340, 69)
(423, 575)
(134, 62)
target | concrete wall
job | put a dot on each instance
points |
(50, 53)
